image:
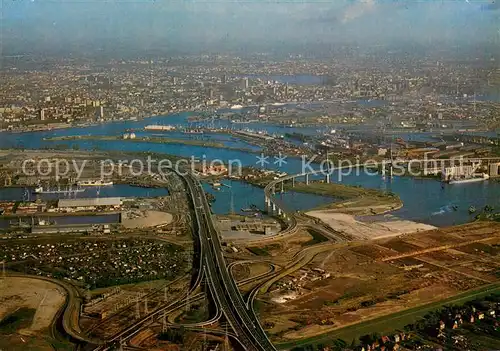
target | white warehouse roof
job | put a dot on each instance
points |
(90, 202)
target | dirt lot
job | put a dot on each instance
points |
(347, 223)
(43, 298)
(360, 281)
(147, 219)
(280, 251)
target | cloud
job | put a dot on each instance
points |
(358, 9)
(494, 5)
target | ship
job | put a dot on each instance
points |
(159, 127)
(252, 208)
(475, 179)
(193, 131)
(95, 183)
(68, 190)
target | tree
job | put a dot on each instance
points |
(175, 336)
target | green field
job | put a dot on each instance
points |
(153, 140)
(139, 140)
(262, 251)
(392, 322)
(19, 319)
(317, 238)
(347, 197)
(337, 190)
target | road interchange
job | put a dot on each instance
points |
(224, 289)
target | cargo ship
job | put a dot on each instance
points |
(157, 127)
(67, 190)
(474, 179)
(95, 183)
(193, 131)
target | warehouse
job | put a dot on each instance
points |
(60, 229)
(89, 204)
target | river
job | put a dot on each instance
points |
(424, 200)
(116, 190)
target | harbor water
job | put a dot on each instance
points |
(424, 200)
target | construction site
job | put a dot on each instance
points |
(330, 286)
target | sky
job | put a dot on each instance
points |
(156, 24)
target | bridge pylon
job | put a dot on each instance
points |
(164, 322)
(227, 345)
(137, 310)
(3, 271)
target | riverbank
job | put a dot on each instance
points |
(351, 225)
(354, 201)
(351, 199)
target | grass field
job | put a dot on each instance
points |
(262, 251)
(22, 318)
(393, 322)
(337, 190)
(152, 140)
(317, 238)
(345, 197)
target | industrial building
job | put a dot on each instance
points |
(458, 172)
(71, 228)
(494, 170)
(89, 203)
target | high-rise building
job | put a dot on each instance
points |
(42, 114)
(224, 79)
(245, 83)
(211, 93)
(101, 112)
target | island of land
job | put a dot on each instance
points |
(154, 140)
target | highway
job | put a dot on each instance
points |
(212, 267)
(224, 289)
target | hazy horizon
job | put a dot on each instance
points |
(45, 26)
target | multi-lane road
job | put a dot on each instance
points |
(213, 269)
(226, 294)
